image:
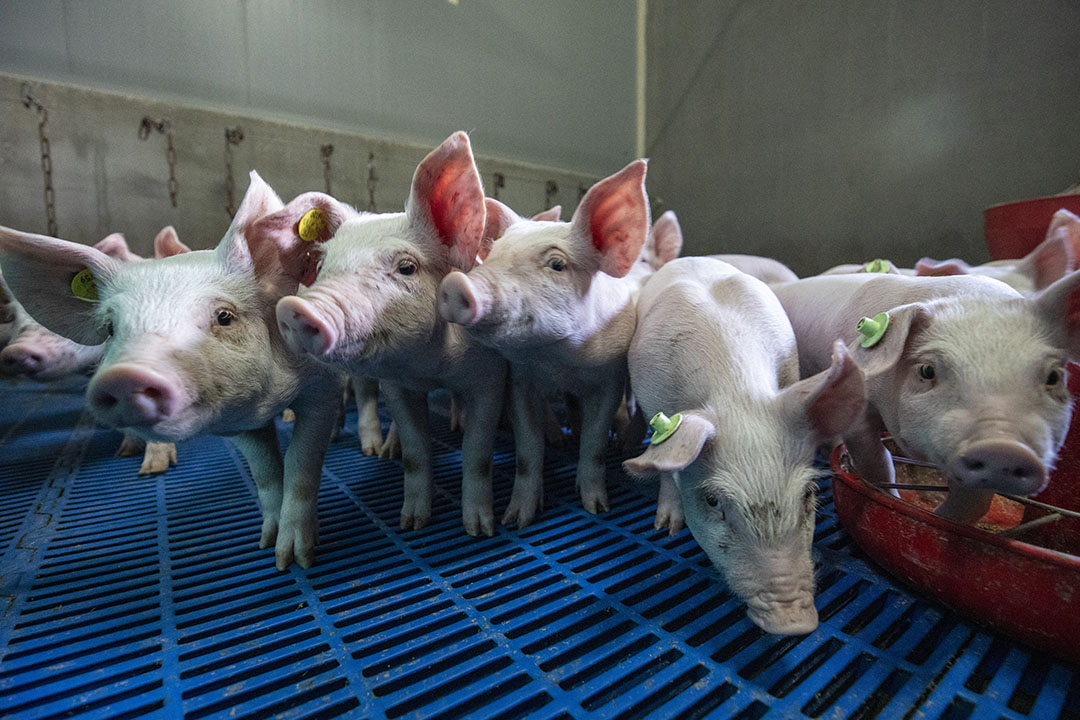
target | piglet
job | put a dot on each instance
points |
(369, 307)
(38, 354)
(192, 347)
(714, 348)
(967, 374)
(1056, 256)
(554, 299)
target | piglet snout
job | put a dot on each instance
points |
(131, 396)
(458, 299)
(304, 327)
(787, 616)
(21, 359)
(1002, 465)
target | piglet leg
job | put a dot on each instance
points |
(597, 410)
(410, 411)
(131, 446)
(483, 405)
(263, 454)
(872, 460)
(368, 427)
(316, 422)
(528, 413)
(669, 509)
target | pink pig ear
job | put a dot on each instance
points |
(929, 267)
(666, 239)
(1057, 255)
(276, 245)
(259, 200)
(40, 270)
(167, 243)
(675, 453)
(116, 247)
(832, 400)
(497, 217)
(880, 359)
(447, 200)
(552, 214)
(1058, 304)
(613, 219)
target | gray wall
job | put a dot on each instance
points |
(833, 131)
(547, 82)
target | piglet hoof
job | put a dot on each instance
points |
(523, 508)
(415, 513)
(371, 441)
(479, 521)
(672, 519)
(595, 501)
(413, 522)
(131, 446)
(268, 539)
(391, 447)
(288, 416)
(296, 543)
(158, 458)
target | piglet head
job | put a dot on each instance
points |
(533, 284)
(748, 489)
(371, 281)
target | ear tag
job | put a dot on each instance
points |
(872, 329)
(83, 286)
(311, 225)
(663, 426)
(877, 265)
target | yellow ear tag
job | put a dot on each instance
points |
(663, 426)
(83, 286)
(877, 265)
(872, 329)
(311, 225)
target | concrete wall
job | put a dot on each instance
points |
(823, 132)
(108, 180)
(547, 82)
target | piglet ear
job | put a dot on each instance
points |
(552, 214)
(831, 401)
(880, 359)
(1058, 305)
(613, 219)
(675, 453)
(259, 200)
(40, 270)
(167, 243)
(447, 200)
(929, 267)
(287, 244)
(497, 217)
(116, 247)
(665, 240)
(1057, 255)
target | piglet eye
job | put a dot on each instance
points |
(406, 267)
(926, 372)
(1053, 378)
(109, 329)
(712, 500)
(557, 264)
(224, 317)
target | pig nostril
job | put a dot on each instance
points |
(974, 465)
(311, 330)
(106, 401)
(152, 392)
(1020, 472)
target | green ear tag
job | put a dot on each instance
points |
(877, 265)
(872, 329)
(663, 426)
(311, 225)
(83, 286)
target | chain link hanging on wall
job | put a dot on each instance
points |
(163, 126)
(500, 183)
(28, 101)
(233, 137)
(551, 189)
(327, 150)
(372, 179)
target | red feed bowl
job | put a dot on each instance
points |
(1014, 229)
(1025, 591)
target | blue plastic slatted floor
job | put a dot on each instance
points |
(129, 597)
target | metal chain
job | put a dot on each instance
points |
(163, 126)
(28, 101)
(327, 151)
(551, 189)
(233, 136)
(500, 183)
(372, 179)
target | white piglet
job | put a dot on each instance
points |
(554, 298)
(967, 374)
(192, 347)
(369, 307)
(713, 346)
